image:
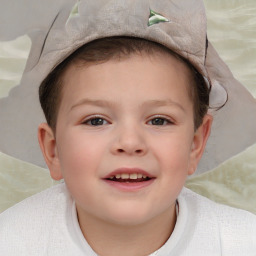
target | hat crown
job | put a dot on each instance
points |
(179, 25)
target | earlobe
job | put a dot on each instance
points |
(47, 144)
(199, 142)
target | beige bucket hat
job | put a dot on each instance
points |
(57, 28)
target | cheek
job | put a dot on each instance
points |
(175, 150)
(173, 154)
(80, 153)
(174, 165)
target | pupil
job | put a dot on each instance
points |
(158, 121)
(97, 121)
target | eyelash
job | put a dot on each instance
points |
(167, 121)
(85, 122)
(103, 121)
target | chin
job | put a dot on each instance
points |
(129, 217)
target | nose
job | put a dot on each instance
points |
(129, 140)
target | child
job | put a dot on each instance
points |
(127, 122)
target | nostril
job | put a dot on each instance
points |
(137, 151)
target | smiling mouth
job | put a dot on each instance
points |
(129, 178)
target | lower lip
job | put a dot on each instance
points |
(129, 186)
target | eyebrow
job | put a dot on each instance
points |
(99, 103)
(162, 103)
(105, 103)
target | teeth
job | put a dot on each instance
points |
(126, 176)
(133, 176)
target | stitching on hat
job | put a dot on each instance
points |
(43, 45)
(155, 18)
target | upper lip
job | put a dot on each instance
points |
(128, 170)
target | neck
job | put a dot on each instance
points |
(108, 239)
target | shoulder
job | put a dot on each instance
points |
(222, 212)
(235, 229)
(33, 217)
(41, 201)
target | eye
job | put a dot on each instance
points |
(160, 121)
(95, 121)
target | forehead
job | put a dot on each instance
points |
(136, 75)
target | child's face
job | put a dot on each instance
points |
(130, 117)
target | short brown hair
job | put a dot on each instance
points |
(102, 50)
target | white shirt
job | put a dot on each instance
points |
(46, 224)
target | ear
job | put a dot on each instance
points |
(199, 142)
(48, 147)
